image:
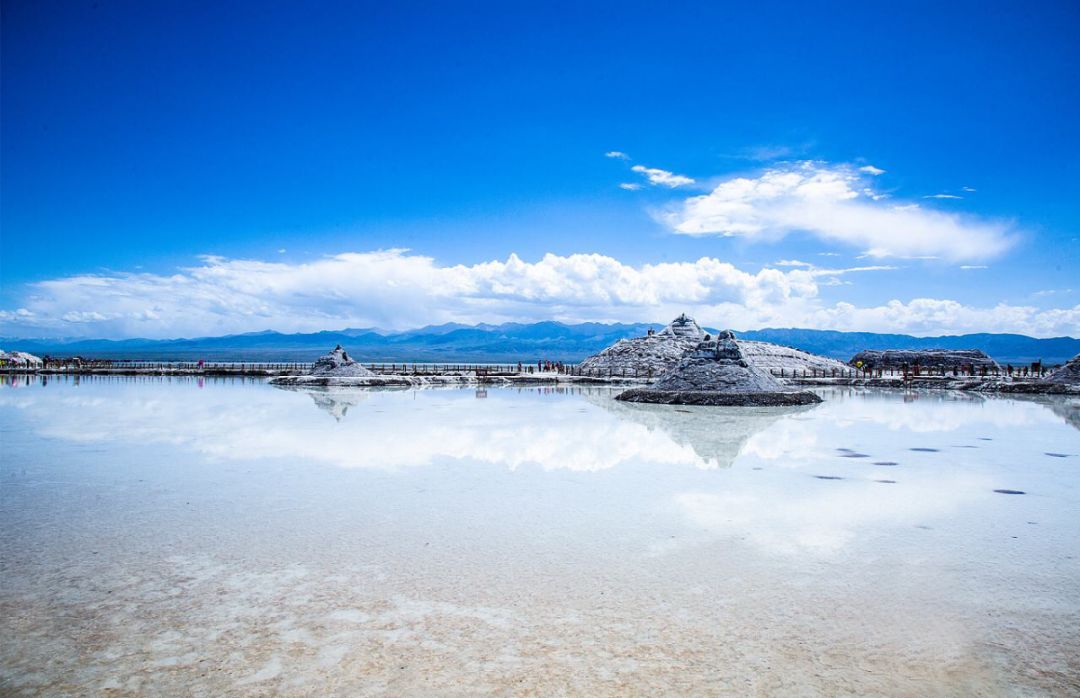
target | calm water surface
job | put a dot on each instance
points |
(179, 537)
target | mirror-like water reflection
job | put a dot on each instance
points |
(175, 535)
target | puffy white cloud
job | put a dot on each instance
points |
(835, 203)
(662, 177)
(394, 289)
(630, 186)
(871, 170)
(942, 196)
(617, 154)
(391, 289)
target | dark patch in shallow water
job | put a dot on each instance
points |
(1010, 492)
(852, 454)
(1058, 455)
(887, 482)
(885, 462)
(985, 438)
(925, 450)
(828, 477)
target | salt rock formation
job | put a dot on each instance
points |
(338, 363)
(948, 359)
(1068, 374)
(20, 358)
(775, 358)
(716, 372)
(683, 327)
(647, 356)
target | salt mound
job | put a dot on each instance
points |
(773, 357)
(716, 372)
(926, 358)
(683, 327)
(647, 356)
(653, 355)
(20, 358)
(338, 363)
(1069, 374)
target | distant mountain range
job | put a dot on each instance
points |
(513, 342)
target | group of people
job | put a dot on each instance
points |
(545, 366)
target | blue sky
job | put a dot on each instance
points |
(179, 169)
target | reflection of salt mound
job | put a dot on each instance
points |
(338, 363)
(716, 435)
(717, 373)
(1069, 374)
(336, 404)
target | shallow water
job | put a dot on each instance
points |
(173, 536)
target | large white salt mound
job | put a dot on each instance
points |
(653, 355)
(773, 357)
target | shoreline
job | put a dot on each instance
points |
(288, 376)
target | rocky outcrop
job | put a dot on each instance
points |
(716, 372)
(1068, 374)
(338, 363)
(897, 359)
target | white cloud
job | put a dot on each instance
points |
(662, 177)
(396, 289)
(617, 154)
(871, 170)
(973, 266)
(931, 316)
(830, 202)
(968, 189)
(942, 196)
(630, 186)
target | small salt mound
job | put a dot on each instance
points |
(717, 365)
(338, 363)
(717, 373)
(1069, 374)
(20, 358)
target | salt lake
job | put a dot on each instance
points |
(185, 536)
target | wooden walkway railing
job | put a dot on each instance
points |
(260, 368)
